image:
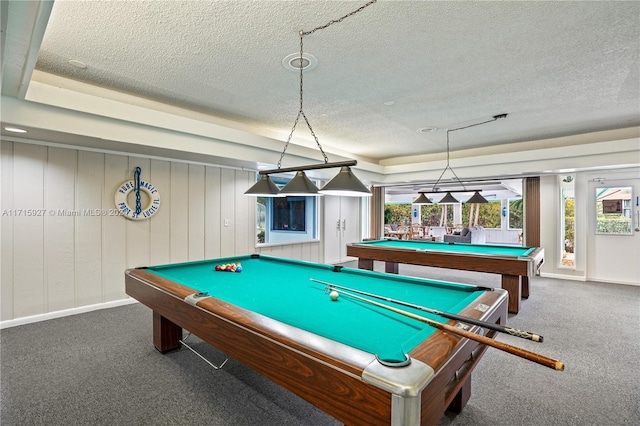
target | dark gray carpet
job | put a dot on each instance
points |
(100, 368)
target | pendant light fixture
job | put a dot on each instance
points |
(448, 198)
(344, 184)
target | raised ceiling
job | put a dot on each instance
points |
(556, 68)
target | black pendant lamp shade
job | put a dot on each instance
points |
(477, 199)
(346, 184)
(448, 199)
(422, 199)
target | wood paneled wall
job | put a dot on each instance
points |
(53, 261)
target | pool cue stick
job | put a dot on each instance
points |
(522, 353)
(496, 327)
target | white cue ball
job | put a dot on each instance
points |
(334, 295)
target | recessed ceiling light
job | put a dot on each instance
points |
(389, 103)
(292, 62)
(15, 130)
(78, 64)
(427, 129)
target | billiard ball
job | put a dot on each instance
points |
(334, 295)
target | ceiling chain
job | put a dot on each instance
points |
(322, 27)
(301, 65)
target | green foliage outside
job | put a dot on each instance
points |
(569, 224)
(488, 217)
(611, 223)
(429, 214)
(397, 213)
(516, 214)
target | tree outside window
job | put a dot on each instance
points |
(488, 214)
(516, 214)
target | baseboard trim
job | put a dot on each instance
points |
(585, 279)
(563, 277)
(65, 313)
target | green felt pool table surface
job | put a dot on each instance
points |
(283, 290)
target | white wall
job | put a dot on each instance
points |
(584, 242)
(55, 262)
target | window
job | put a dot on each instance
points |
(613, 210)
(285, 219)
(567, 221)
(288, 214)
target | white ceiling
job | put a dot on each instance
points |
(556, 68)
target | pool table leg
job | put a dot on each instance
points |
(512, 284)
(462, 397)
(166, 334)
(365, 264)
(389, 267)
(525, 287)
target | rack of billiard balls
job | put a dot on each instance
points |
(229, 267)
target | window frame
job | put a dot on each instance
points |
(267, 235)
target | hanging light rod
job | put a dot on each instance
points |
(310, 167)
(449, 190)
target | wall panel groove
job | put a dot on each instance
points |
(6, 231)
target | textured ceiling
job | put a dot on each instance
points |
(556, 68)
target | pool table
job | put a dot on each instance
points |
(361, 364)
(514, 263)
